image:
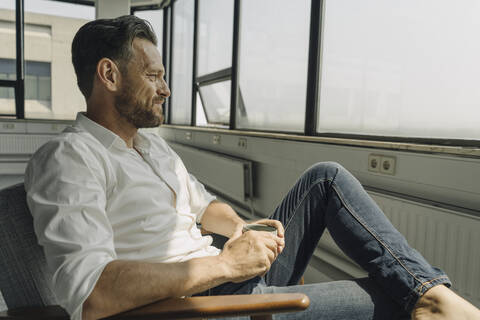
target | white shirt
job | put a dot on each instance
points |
(95, 200)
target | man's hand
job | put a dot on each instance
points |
(280, 231)
(250, 254)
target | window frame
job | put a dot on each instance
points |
(313, 81)
(18, 84)
(313, 75)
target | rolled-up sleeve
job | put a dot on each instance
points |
(199, 197)
(66, 193)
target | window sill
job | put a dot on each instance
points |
(471, 152)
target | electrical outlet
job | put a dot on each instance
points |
(387, 165)
(242, 143)
(188, 135)
(374, 161)
(216, 139)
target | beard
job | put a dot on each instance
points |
(139, 113)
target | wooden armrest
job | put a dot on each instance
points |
(219, 306)
(40, 313)
(181, 308)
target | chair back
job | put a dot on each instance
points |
(24, 279)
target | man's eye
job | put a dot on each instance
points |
(152, 77)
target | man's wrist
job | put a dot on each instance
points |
(238, 228)
(223, 267)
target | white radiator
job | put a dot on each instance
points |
(22, 143)
(447, 239)
(229, 176)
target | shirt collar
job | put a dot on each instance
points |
(141, 142)
(102, 134)
(108, 138)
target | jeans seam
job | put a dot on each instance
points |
(417, 292)
(420, 287)
(304, 195)
(377, 237)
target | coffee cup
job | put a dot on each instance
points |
(259, 227)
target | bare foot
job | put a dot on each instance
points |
(441, 303)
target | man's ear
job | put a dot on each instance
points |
(108, 74)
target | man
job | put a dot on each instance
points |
(116, 211)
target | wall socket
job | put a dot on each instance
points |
(381, 164)
(188, 135)
(242, 143)
(374, 162)
(216, 139)
(387, 165)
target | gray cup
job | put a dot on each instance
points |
(259, 227)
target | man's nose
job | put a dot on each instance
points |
(163, 89)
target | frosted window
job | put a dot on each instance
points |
(182, 59)
(215, 32)
(273, 63)
(216, 101)
(155, 17)
(401, 68)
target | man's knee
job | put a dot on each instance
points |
(326, 170)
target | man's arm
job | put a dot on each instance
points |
(220, 218)
(124, 285)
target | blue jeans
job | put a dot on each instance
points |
(328, 196)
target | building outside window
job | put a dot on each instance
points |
(51, 90)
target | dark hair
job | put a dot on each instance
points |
(106, 38)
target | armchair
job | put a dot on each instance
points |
(24, 280)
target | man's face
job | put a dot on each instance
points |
(143, 89)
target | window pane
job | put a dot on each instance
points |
(155, 17)
(166, 105)
(200, 115)
(7, 38)
(181, 100)
(216, 101)
(408, 72)
(49, 30)
(31, 87)
(7, 69)
(273, 64)
(44, 88)
(7, 101)
(215, 32)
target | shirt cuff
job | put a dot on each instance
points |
(208, 200)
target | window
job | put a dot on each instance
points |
(8, 69)
(273, 61)
(37, 80)
(215, 99)
(155, 17)
(215, 30)
(7, 101)
(215, 33)
(182, 60)
(8, 32)
(51, 85)
(400, 68)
